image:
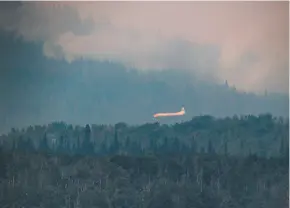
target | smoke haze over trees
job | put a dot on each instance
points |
(37, 90)
(80, 82)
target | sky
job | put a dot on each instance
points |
(245, 43)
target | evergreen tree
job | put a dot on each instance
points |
(115, 144)
(87, 146)
(3, 164)
(78, 145)
(43, 146)
(61, 144)
(103, 150)
(29, 145)
(127, 144)
(87, 133)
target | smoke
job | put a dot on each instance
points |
(245, 43)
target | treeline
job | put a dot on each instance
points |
(262, 135)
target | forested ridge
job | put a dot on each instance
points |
(106, 92)
(205, 162)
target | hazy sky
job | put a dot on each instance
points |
(245, 43)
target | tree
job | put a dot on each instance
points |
(87, 133)
(115, 144)
(61, 144)
(43, 146)
(3, 164)
(78, 145)
(225, 147)
(87, 146)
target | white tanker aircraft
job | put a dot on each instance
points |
(179, 113)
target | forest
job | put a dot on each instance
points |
(237, 162)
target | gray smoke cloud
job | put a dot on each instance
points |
(245, 43)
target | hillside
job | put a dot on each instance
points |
(107, 93)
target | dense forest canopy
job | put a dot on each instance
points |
(205, 162)
(263, 135)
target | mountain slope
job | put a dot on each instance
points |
(36, 90)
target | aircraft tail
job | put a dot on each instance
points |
(183, 109)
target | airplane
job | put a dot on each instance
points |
(180, 113)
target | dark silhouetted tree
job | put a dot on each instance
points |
(43, 146)
(87, 145)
